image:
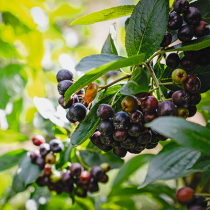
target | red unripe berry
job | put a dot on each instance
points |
(85, 177)
(47, 170)
(149, 104)
(38, 139)
(185, 195)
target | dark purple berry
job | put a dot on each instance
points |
(97, 172)
(105, 111)
(145, 138)
(192, 84)
(175, 21)
(198, 201)
(63, 86)
(120, 135)
(135, 130)
(56, 145)
(93, 185)
(128, 143)
(106, 127)
(192, 54)
(61, 101)
(107, 140)
(76, 169)
(149, 104)
(166, 108)
(193, 16)
(203, 59)
(180, 97)
(64, 74)
(173, 60)
(166, 39)
(40, 161)
(34, 155)
(201, 29)
(95, 138)
(120, 152)
(185, 33)
(67, 178)
(192, 110)
(195, 99)
(149, 117)
(116, 145)
(121, 120)
(77, 112)
(139, 147)
(151, 146)
(104, 147)
(44, 149)
(137, 117)
(187, 64)
(181, 6)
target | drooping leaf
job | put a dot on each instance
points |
(11, 159)
(102, 64)
(202, 164)
(109, 46)
(185, 133)
(196, 44)
(139, 83)
(130, 167)
(28, 171)
(92, 158)
(147, 27)
(171, 164)
(86, 128)
(103, 15)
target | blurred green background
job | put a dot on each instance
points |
(36, 40)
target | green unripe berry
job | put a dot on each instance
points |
(179, 76)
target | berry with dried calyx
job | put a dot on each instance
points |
(130, 103)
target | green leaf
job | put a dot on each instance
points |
(196, 44)
(28, 171)
(109, 46)
(185, 133)
(171, 164)
(92, 62)
(11, 159)
(130, 167)
(11, 136)
(139, 83)
(147, 27)
(205, 178)
(86, 128)
(92, 158)
(202, 164)
(103, 15)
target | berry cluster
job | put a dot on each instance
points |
(124, 132)
(72, 180)
(186, 196)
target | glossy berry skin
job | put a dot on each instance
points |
(106, 127)
(137, 117)
(135, 130)
(64, 74)
(187, 64)
(173, 60)
(104, 179)
(185, 33)
(198, 201)
(50, 158)
(166, 108)
(56, 145)
(175, 21)
(201, 29)
(85, 177)
(61, 101)
(34, 155)
(192, 110)
(77, 112)
(129, 103)
(195, 99)
(40, 162)
(120, 152)
(95, 138)
(192, 84)
(120, 135)
(185, 195)
(107, 140)
(91, 92)
(149, 104)
(105, 167)
(145, 138)
(105, 111)
(128, 143)
(181, 6)
(63, 86)
(67, 178)
(121, 120)
(169, 93)
(193, 16)
(192, 54)
(179, 76)
(180, 97)
(182, 112)
(76, 169)
(44, 149)
(47, 170)
(166, 39)
(149, 117)
(97, 172)
(38, 139)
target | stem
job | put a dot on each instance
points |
(121, 70)
(81, 161)
(152, 73)
(166, 83)
(203, 194)
(153, 90)
(112, 83)
(154, 55)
